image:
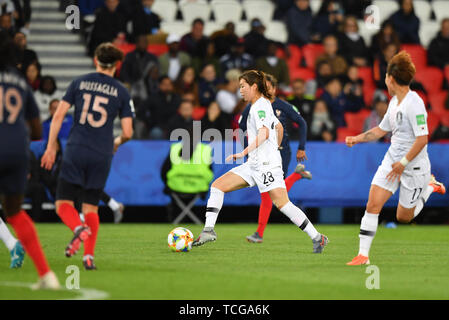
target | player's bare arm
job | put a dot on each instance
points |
(48, 159)
(262, 135)
(371, 135)
(127, 132)
(398, 167)
(280, 133)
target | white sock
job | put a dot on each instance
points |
(6, 236)
(422, 200)
(368, 228)
(300, 219)
(214, 205)
(114, 205)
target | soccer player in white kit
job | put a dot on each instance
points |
(406, 164)
(264, 165)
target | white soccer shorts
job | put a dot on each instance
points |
(266, 178)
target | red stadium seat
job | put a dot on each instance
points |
(445, 141)
(366, 74)
(368, 94)
(343, 132)
(437, 101)
(126, 47)
(446, 73)
(433, 120)
(198, 113)
(294, 61)
(311, 52)
(157, 49)
(418, 54)
(431, 78)
(355, 120)
(302, 73)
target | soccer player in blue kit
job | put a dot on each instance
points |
(98, 98)
(17, 110)
(284, 112)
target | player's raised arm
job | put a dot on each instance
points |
(262, 135)
(371, 135)
(280, 133)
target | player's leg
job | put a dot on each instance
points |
(378, 196)
(433, 186)
(230, 181)
(116, 207)
(299, 173)
(93, 221)
(26, 232)
(14, 246)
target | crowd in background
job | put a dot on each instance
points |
(196, 78)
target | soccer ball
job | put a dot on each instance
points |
(180, 240)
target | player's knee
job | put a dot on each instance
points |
(373, 207)
(402, 218)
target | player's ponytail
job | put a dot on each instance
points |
(108, 55)
(259, 78)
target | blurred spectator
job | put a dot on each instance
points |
(355, 7)
(386, 35)
(88, 7)
(137, 67)
(25, 56)
(145, 21)
(255, 42)
(327, 20)
(214, 119)
(171, 62)
(338, 63)
(46, 93)
(441, 132)
(66, 124)
(381, 64)
(299, 21)
(182, 119)
(438, 52)
(224, 39)
(273, 65)
(190, 41)
(207, 87)
(300, 101)
(353, 87)
(33, 75)
(380, 107)
(338, 102)
(406, 23)
(6, 22)
(206, 56)
(237, 59)
(321, 126)
(109, 24)
(323, 74)
(282, 7)
(228, 97)
(22, 14)
(157, 109)
(351, 45)
(186, 82)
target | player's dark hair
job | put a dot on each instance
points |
(272, 79)
(401, 68)
(108, 55)
(259, 78)
(7, 51)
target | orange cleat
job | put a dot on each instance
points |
(358, 261)
(437, 186)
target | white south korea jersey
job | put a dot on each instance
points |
(267, 154)
(406, 122)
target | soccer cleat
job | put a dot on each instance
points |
(255, 238)
(17, 255)
(118, 214)
(358, 261)
(318, 245)
(207, 235)
(438, 187)
(88, 262)
(301, 169)
(47, 281)
(80, 235)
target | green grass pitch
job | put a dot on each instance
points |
(134, 262)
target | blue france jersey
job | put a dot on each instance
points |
(98, 99)
(17, 105)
